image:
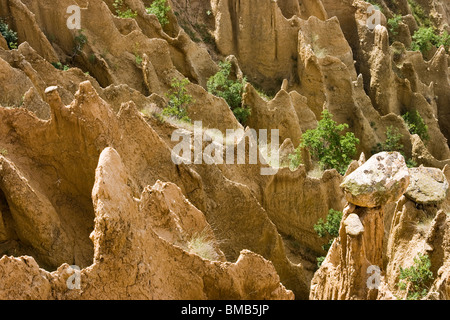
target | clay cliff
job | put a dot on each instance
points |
(94, 204)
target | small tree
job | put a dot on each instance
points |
(160, 8)
(179, 100)
(328, 228)
(329, 145)
(222, 86)
(415, 279)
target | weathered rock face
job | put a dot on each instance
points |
(382, 179)
(157, 252)
(427, 186)
(358, 251)
(60, 206)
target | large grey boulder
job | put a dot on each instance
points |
(427, 186)
(382, 179)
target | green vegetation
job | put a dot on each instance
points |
(204, 33)
(427, 35)
(222, 86)
(160, 8)
(3, 152)
(122, 11)
(179, 100)
(416, 124)
(92, 58)
(394, 23)
(137, 57)
(9, 35)
(328, 145)
(415, 279)
(425, 38)
(419, 14)
(328, 229)
(60, 66)
(295, 159)
(392, 142)
(80, 41)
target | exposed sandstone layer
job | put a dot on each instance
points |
(307, 55)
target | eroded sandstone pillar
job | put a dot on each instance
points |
(353, 266)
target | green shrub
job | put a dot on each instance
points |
(410, 163)
(222, 86)
(415, 279)
(328, 145)
(419, 14)
(80, 41)
(9, 35)
(394, 23)
(122, 11)
(179, 100)
(425, 38)
(160, 8)
(329, 229)
(60, 66)
(416, 124)
(444, 40)
(392, 143)
(295, 159)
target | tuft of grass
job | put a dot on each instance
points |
(4, 152)
(202, 245)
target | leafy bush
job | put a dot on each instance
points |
(425, 38)
(222, 86)
(444, 40)
(328, 145)
(394, 23)
(416, 125)
(328, 228)
(121, 13)
(9, 35)
(392, 143)
(160, 8)
(179, 100)
(416, 278)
